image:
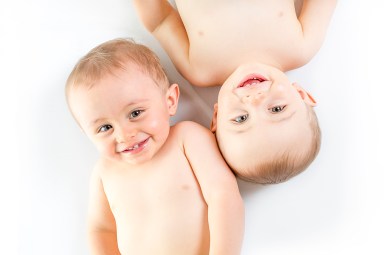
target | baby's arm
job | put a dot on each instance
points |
(314, 17)
(164, 22)
(101, 223)
(219, 188)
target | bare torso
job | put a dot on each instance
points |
(158, 208)
(225, 33)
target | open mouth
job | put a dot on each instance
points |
(136, 147)
(252, 80)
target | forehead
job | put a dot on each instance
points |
(111, 93)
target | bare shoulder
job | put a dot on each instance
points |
(196, 139)
(190, 130)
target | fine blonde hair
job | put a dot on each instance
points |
(114, 55)
(285, 165)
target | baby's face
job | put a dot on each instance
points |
(125, 115)
(259, 114)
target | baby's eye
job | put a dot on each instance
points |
(277, 109)
(241, 118)
(104, 128)
(135, 114)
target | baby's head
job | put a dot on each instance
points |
(265, 126)
(112, 56)
(120, 96)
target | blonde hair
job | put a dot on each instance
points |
(285, 165)
(111, 56)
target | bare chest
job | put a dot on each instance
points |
(151, 188)
(158, 208)
(222, 36)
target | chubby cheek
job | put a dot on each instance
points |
(158, 128)
(226, 105)
(105, 148)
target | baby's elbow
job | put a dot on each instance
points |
(200, 78)
(309, 49)
(195, 81)
(232, 199)
(301, 57)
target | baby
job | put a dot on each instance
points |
(265, 126)
(156, 189)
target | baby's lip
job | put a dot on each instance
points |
(251, 79)
(134, 146)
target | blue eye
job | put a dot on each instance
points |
(277, 109)
(241, 118)
(135, 114)
(104, 128)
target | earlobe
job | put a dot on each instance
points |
(173, 98)
(307, 97)
(214, 119)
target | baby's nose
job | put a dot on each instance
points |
(253, 98)
(125, 134)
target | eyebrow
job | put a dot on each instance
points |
(91, 123)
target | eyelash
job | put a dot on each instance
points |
(139, 112)
(278, 106)
(104, 126)
(240, 119)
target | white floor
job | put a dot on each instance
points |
(333, 208)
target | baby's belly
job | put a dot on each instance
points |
(165, 231)
(177, 228)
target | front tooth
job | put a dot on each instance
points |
(136, 146)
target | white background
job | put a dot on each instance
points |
(335, 207)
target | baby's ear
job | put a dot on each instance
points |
(307, 97)
(214, 119)
(172, 98)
